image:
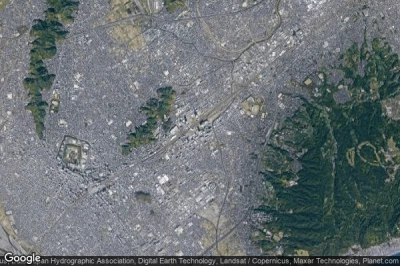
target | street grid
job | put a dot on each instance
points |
(215, 54)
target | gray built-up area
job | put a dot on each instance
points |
(141, 127)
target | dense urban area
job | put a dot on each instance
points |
(191, 127)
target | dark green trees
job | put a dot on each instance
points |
(47, 33)
(171, 5)
(157, 110)
(346, 190)
(62, 10)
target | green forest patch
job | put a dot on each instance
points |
(346, 191)
(157, 110)
(47, 34)
(3, 4)
(172, 5)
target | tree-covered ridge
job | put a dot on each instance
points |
(157, 110)
(172, 5)
(47, 33)
(346, 190)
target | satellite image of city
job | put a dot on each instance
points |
(200, 127)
